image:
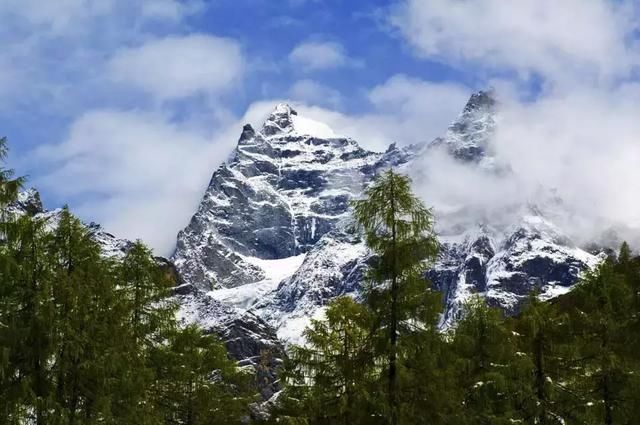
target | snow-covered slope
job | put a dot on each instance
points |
(29, 202)
(274, 240)
(282, 190)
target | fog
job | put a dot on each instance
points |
(573, 156)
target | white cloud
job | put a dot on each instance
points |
(177, 67)
(577, 134)
(139, 174)
(573, 157)
(313, 92)
(549, 37)
(403, 110)
(171, 10)
(584, 145)
(315, 55)
(57, 17)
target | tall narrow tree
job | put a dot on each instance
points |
(330, 380)
(398, 229)
(601, 320)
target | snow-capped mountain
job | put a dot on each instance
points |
(274, 240)
(29, 202)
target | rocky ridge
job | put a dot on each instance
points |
(274, 239)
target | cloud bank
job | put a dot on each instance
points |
(180, 66)
(146, 130)
(566, 76)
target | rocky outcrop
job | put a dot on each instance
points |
(274, 238)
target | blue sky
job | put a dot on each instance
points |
(123, 108)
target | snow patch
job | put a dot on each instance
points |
(245, 296)
(292, 330)
(308, 127)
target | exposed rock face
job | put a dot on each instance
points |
(505, 265)
(284, 188)
(29, 203)
(468, 138)
(274, 236)
(254, 344)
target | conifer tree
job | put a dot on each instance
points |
(13, 388)
(601, 319)
(197, 384)
(85, 300)
(485, 359)
(146, 292)
(543, 339)
(399, 230)
(149, 325)
(332, 379)
(9, 184)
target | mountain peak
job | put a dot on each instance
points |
(284, 120)
(279, 120)
(483, 99)
(29, 202)
(283, 109)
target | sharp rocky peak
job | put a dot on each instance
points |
(483, 100)
(279, 120)
(468, 138)
(273, 235)
(29, 202)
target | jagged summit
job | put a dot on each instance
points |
(468, 138)
(279, 120)
(28, 202)
(285, 121)
(274, 234)
(483, 99)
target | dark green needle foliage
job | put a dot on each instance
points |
(86, 339)
(398, 229)
(337, 361)
(570, 360)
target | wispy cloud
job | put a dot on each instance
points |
(576, 134)
(318, 55)
(549, 37)
(175, 67)
(140, 174)
(315, 93)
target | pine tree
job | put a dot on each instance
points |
(9, 184)
(13, 382)
(146, 292)
(485, 359)
(196, 382)
(543, 339)
(601, 319)
(331, 379)
(427, 384)
(149, 324)
(399, 230)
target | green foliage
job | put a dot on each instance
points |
(398, 228)
(196, 383)
(572, 360)
(541, 336)
(337, 361)
(485, 358)
(86, 339)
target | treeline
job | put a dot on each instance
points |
(575, 360)
(86, 339)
